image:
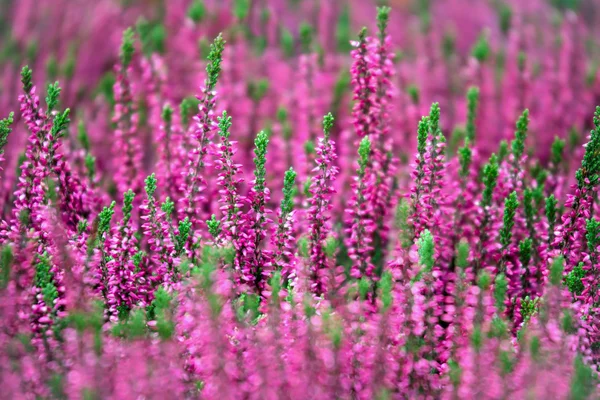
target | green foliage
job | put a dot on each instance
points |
(422, 134)
(530, 211)
(465, 157)
(51, 67)
(551, 210)
(525, 251)
(455, 373)
(573, 280)
(566, 4)
(159, 310)
(106, 87)
(60, 123)
(502, 151)
(241, 8)
(132, 324)
(309, 147)
(434, 119)
(556, 270)
(168, 206)
(484, 280)
(587, 175)
(127, 205)
(364, 286)
(289, 190)
(402, 223)
(260, 159)
(518, 144)
(104, 219)
(306, 37)
(343, 30)
(197, 11)
(413, 93)
(385, 285)
(529, 307)
(583, 382)
(303, 249)
(490, 179)
(448, 45)
(52, 94)
(70, 62)
(557, 150)
(188, 108)
(127, 47)
(462, 255)
(44, 279)
(83, 136)
(331, 246)
(500, 289)
(568, 323)
(457, 136)
(505, 17)
(224, 125)
(181, 238)
(425, 245)
(167, 114)
(214, 226)
(215, 58)
(510, 207)
(286, 41)
(152, 36)
(5, 130)
(90, 165)
(151, 184)
(592, 234)
(498, 328)
(383, 18)
(327, 125)
(6, 259)
(477, 338)
(258, 89)
(26, 79)
(481, 50)
(364, 152)
(472, 103)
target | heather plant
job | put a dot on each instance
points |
(194, 234)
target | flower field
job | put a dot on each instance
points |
(299, 199)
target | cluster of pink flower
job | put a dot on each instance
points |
(369, 253)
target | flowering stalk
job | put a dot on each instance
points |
(205, 126)
(283, 239)
(126, 121)
(5, 130)
(122, 291)
(254, 265)
(321, 190)
(359, 218)
(580, 203)
(383, 161)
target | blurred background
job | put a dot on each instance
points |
(545, 50)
